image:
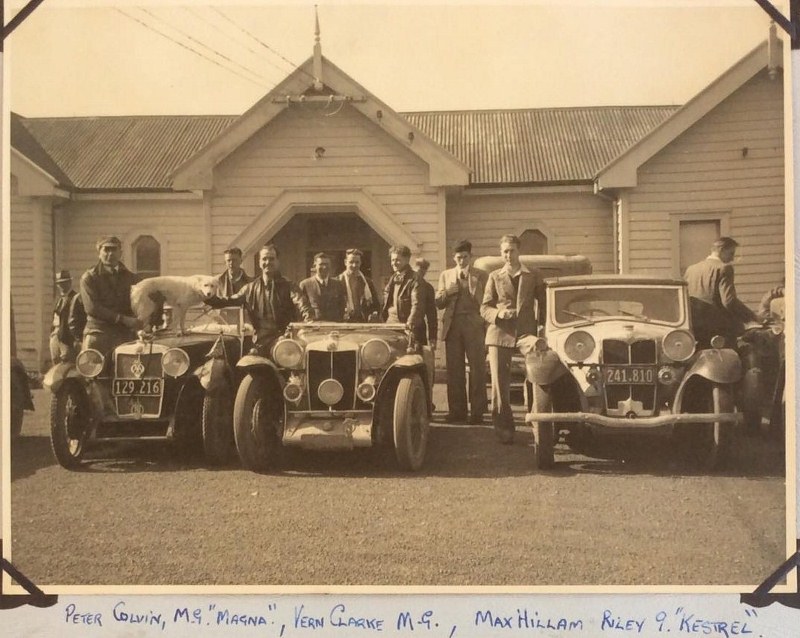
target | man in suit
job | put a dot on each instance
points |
(62, 341)
(460, 293)
(106, 295)
(326, 295)
(271, 300)
(234, 277)
(715, 307)
(362, 298)
(513, 299)
(427, 304)
(401, 296)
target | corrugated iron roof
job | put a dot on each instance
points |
(556, 145)
(527, 146)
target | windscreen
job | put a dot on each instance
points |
(661, 304)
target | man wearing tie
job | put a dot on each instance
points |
(362, 297)
(513, 297)
(106, 296)
(326, 295)
(460, 293)
(401, 297)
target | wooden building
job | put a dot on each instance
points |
(319, 163)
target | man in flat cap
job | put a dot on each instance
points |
(460, 293)
(427, 305)
(715, 307)
(234, 278)
(106, 296)
(62, 342)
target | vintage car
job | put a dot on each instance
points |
(617, 356)
(548, 266)
(335, 386)
(164, 386)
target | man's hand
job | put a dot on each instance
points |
(508, 313)
(131, 322)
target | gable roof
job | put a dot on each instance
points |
(622, 171)
(502, 147)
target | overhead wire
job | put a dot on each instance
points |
(204, 45)
(185, 46)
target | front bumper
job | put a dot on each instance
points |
(328, 430)
(620, 422)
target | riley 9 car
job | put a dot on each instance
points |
(334, 386)
(164, 386)
(617, 356)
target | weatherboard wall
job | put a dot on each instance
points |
(729, 163)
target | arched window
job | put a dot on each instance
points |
(147, 256)
(533, 242)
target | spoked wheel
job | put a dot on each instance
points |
(410, 423)
(217, 425)
(258, 423)
(543, 431)
(69, 424)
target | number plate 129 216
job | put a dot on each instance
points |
(138, 387)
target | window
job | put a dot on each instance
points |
(695, 238)
(533, 242)
(147, 256)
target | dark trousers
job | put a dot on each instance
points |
(500, 367)
(106, 340)
(465, 338)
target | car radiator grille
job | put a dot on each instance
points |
(622, 353)
(134, 405)
(332, 365)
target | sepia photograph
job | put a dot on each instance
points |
(389, 296)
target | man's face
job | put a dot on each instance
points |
(64, 286)
(399, 262)
(352, 263)
(110, 254)
(462, 259)
(510, 253)
(233, 263)
(268, 261)
(322, 266)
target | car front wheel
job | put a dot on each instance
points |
(543, 432)
(717, 436)
(258, 423)
(69, 424)
(217, 425)
(410, 423)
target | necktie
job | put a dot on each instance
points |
(463, 275)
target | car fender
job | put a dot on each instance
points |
(543, 368)
(716, 365)
(254, 364)
(59, 373)
(403, 365)
(213, 374)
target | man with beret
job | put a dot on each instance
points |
(326, 295)
(715, 307)
(427, 304)
(460, 293)
(62, 342)
(106, 296)
(513, 304)
(234, 277)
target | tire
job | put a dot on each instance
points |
(751, 397)
(217, 425)
(258, 423)
(716, 440)
(543, 432)
(410, 423)
(69, 424)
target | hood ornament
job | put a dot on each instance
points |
(137, 368)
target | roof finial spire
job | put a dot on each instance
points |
(317, 52)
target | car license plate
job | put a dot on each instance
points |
(139, 387)
(629, 374)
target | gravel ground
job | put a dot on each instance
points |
(476, 515)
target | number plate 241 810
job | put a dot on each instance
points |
(629, 374)
(138, 387)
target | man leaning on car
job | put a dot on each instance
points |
(510, 304)
(272, 301)
(401, 296)
(106, 295)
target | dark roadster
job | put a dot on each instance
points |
(166, 386)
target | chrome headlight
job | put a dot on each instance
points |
(366, 389)
(288, 353)
(174, 362)
(678, 345)
(90, 363)
(330, 392)
(375, 353)
(579, 346)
